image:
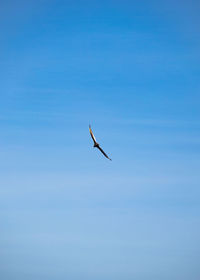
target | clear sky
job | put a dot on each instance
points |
(131, 69)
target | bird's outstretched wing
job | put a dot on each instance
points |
(92, 135)
(103, 152)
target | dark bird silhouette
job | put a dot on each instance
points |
(96, 145)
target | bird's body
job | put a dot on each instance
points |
(96, 145)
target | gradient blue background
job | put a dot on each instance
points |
(131, 69)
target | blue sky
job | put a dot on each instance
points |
(131, 69)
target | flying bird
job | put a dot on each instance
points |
(96, 145)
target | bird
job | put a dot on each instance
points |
(96, 145)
